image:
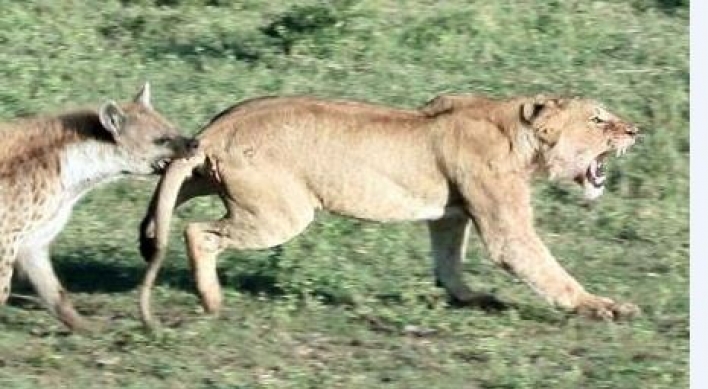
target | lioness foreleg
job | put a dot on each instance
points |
(448, 238)
(504, 220)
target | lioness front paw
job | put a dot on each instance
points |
(603, 308)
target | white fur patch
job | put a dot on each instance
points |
(87, 164)
(591, 192)
(434, 213)
(45, 233)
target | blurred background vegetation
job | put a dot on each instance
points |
(351, 304)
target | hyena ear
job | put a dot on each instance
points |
(143, 97)
(112, 118)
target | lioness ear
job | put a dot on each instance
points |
(531, 109)
(143, 96)
(112, 118)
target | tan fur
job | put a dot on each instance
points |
(47, 163)
(458, 161)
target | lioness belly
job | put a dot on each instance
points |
(366, 193)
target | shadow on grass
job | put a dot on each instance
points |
(81, 272)
(195, 52)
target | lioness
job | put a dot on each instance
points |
(48, 162)
(458, 161)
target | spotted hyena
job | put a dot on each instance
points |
(47, 163)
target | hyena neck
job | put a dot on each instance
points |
(89, 163)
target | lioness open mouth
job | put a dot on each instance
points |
(595, 174)
(594, 178)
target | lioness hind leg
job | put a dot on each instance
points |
(265, 216)
(449, 238)
(266, 206)
(204, 243)
(194, 186)
(240, 231)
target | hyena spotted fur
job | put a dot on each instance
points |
(47, 163)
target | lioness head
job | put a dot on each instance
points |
(576, 137)
(146, 139)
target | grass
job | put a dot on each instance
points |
(351, 304)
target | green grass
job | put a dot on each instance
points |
(351, 304)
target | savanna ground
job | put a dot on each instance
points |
(351, 304)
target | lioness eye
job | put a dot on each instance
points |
(596, 120)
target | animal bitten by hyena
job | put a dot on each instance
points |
(460, 162)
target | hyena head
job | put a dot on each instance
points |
(146, 140)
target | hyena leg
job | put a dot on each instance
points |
(449, 238)
(7, 263)
(35, 262)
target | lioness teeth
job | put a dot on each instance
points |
(621, 151)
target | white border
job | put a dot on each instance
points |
(699, 195)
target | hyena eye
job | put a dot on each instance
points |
(163, 141)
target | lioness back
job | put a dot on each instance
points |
(347, 153)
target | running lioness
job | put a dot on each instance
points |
(459, 161)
